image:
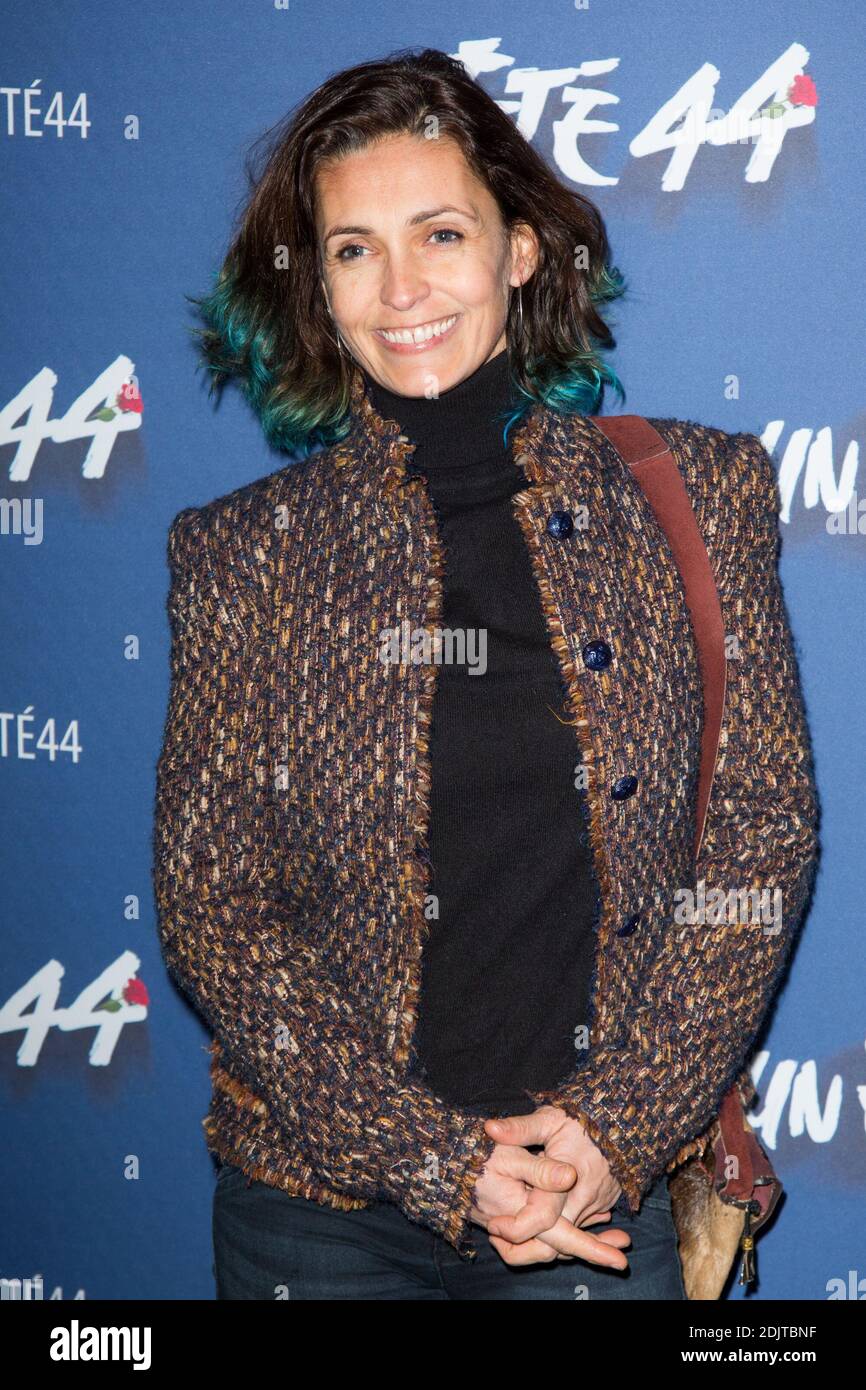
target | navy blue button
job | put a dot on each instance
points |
(560, 524)
(623, 787)
(597, 655)
(629, 925)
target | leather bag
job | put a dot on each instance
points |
(723, 1194)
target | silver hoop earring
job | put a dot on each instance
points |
(338, 339)
(520, 309)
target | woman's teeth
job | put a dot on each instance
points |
(418, 335)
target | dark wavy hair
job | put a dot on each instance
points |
(266, 321)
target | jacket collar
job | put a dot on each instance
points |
(552, 449)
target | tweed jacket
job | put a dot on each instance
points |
(292, 805)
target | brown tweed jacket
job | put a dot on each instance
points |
(292, 802)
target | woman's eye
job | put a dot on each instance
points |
(352, 246)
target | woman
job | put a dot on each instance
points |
(427, 790)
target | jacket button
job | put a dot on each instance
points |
(629, 925)
(624, 787)
(560, 524)
(597, 655)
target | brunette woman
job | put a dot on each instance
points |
(427, 791)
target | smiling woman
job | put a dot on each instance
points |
(419, 295)
(401, 197)
(427, 917)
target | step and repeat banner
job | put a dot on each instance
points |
(721, 147)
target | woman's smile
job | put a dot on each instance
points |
(419, 337)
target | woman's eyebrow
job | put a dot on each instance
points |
(412, 221)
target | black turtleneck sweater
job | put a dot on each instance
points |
(506, 967)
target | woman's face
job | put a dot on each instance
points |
(413, 244)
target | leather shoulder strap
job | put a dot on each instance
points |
(647, 454)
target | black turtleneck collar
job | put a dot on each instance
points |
(461, 426)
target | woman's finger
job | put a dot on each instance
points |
(567, 1240)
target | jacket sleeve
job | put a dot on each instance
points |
(230, 940)
(708, 987)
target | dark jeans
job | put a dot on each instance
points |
(270, 1245)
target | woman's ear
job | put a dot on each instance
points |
(524, 253)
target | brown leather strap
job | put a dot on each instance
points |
(750, 1178)
(646, 453)
(742, 1170)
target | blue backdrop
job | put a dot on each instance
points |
(123, 134)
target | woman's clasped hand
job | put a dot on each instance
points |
(534, 1206)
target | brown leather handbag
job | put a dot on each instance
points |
(726, 1191)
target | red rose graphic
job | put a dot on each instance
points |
(135, 992)
(129, 398)
(802, 91)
